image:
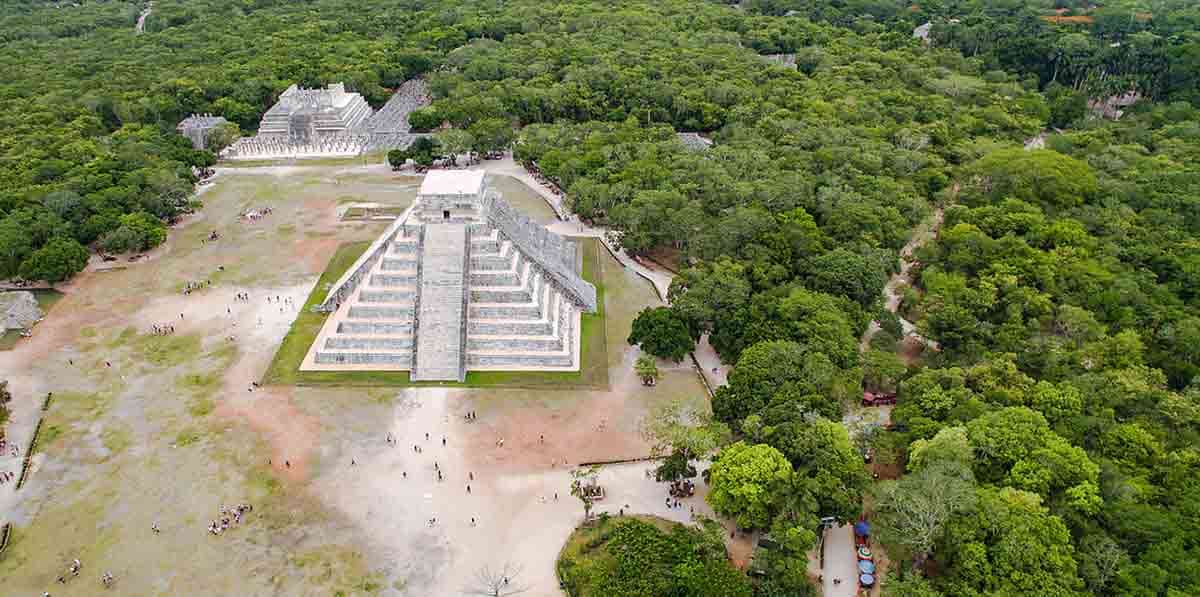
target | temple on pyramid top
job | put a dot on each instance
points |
(460, 282)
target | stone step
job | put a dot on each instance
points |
(327, 357)
(403, 297)
(494, 262)
(390, 264)
(497, 296)
(392, 280)
(375, 328)
(364, 312)
(521, 360)
(369, 343)
(502, 345)
(508, 312)
(496, 278)
(501, 327)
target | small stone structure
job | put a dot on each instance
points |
(332, 122)
(1113, 106)
(462, 281)
(19, 310)
(694, 142)
(784, 60)
(922, 32)
(197, 127)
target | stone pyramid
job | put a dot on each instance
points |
(460, 282)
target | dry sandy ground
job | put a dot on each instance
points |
(150, 430)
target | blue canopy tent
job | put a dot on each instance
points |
(862, 529)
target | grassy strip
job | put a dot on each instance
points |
(375, 157)
(285, 367)
(593, 373)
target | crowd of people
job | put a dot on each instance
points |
(229, 517)
(255, 215)
(191, 286)
(162, 329)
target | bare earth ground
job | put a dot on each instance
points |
(164, 430)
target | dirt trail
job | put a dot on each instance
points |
(925, 232)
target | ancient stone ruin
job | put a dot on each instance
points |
(462, 281)
(331, 122)
(19, 310)
(1113, 107)
(694, 142)
(197, 127)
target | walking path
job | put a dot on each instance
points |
(926, 231)
(840, 558)
(841, 563)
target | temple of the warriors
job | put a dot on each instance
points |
(460, 282)
(307, 114)
(331, 121)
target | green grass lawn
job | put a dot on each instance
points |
(593, 374)
(46, 299)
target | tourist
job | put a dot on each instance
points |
(468, 488)
(443, 441)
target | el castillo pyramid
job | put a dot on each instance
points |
(460, 282)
